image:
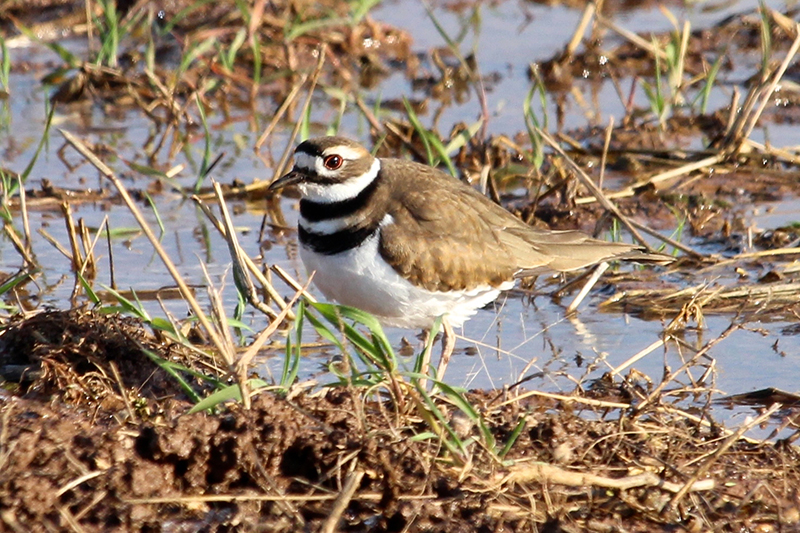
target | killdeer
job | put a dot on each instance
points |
(408, 243)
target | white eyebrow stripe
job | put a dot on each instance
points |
(347, 152)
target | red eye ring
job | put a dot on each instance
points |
(333, 162)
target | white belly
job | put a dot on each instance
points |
(361, 278)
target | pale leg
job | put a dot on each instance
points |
(448, 344)
(598, 271)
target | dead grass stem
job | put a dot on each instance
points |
(589, 184)
(186, 293)
(281, 166)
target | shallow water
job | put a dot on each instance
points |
(513, 339)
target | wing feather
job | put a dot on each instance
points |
(444, 235)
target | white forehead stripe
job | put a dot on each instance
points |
(304, 161)
(338, 192)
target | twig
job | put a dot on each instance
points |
(670, 241)
(323, 50)
(751, 124)
(210, 498)
(580, 30)
(632, 37)
(186, 292)
(565, 399)
(23, 205)
(369, 115)
(77, 481)
(52, 240)
(700, 353)
(8, 229)
(242, 280)
(604, 156)
(70, 519)
(704, 468)
(589, 184)
(290, 98)
(244, 361)
(250, 265)
(547, 473)
(289, 280)
(220, 319)
(123, 391)
(597, 271)
(641, 354)
(778, 153)
(341, 503)
(112, 280)
(663, 176)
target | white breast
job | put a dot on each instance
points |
(361, 278)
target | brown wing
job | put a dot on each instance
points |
(448, 236)
(438, 242)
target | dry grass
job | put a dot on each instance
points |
(342, 459)
(94, 429)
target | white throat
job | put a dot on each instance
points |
(336, 192)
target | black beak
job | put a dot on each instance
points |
(290, 178)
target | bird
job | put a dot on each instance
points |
(409, 243)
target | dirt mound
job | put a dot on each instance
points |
(337, 460)
(83, 356)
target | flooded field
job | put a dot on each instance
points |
(685, 117)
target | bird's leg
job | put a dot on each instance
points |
(448, 344)
(424, 366)
(598, 271)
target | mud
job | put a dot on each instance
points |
(73, 461)
(96, 435)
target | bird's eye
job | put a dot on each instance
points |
(333, 162)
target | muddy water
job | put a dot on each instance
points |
(516, 337)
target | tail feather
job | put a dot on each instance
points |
(575, 256)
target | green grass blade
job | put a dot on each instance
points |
(128, 306)
(5, 66)
(361, 8)
(523, 420)
(442, 152)
(312, 25)
(305, 124)
(766, 39)
(258, 61)
(437, 325)
(457, 398)
(434, 417)
(15, 280)
(183, 13)
(66, 56)
(231, 392)
(711, 78)
(204, 165)
(162, 230)
(463, 137)
(193, 53)
(421, 131)
(44, 138)
(532, 122)
(170, 369)
(291, 361)
(90, 292)
(229, 56)
(379, 349)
